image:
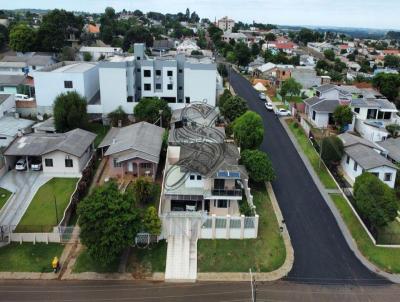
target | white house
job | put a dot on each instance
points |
(24, 64)
(61, 154)
(237, 37)
(362, 156)
(97, 52)
(82, 77)
(187, 46)
(226, 24)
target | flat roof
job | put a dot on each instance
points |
(9, 127)
(78, 68)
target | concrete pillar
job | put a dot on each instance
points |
(256, 220)
(228, 226)
(27, 163)
(241, 226)
(213, 217)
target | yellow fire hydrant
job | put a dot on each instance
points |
(55, 264)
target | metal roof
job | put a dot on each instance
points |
(349, 139)
(367, 158)
(11, 80)
(392, 146)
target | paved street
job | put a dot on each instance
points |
(321, 252)
(35, 291)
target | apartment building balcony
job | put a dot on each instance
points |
(227, 192)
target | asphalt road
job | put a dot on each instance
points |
(66, 291)
(321, 252)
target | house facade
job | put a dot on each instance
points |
(226, 24)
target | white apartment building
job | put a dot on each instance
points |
(97, 52)
(51, 81)
(226, 24)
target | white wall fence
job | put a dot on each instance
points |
(305, 125)
(229, 227)
(59, 235)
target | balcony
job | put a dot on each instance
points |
(226, 192)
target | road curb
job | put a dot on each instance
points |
(395, 278)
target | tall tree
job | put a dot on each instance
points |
(248, 130)
(329, 54)
(233, 107)
(70, 112)
(332, 150)
(388, 84)
(290, 87)
(243, 54)
(137, 34)
(149, 110)
(258, 165)
(109, 222)
(22, 38)
(343, 116)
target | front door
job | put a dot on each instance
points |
(130, 167)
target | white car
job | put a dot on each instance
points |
(36, 166)
(283, 112)
(269, 106)
(23, 97)
(20, 165)
(262, 96)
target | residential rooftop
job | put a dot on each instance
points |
(392, 146)
(69, 67)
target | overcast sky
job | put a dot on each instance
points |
(347, 13)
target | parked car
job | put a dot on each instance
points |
(262, 96)
(269, 106)
(23, 97)
(36, 165)
(283, 112)
(21, 165)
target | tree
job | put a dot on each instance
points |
(149, 110)
(118, 115)
(270, 37)
(343, 116)
(242, 53)
(233, 107)
(143, 190)
(137, 34)
(392, 61)
(70, 111)
(151, 223)
(255, 49)
(87, 56)
(332, 150)
(22, 38)
(290, 87)
(375, 200)
(67, 54)
(109, 12)
(393, 129)
(388, 84)
(329, 54)
(224, 97)
(258, 165)
(109, 222)
(248, 130)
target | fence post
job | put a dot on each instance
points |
(228, 226)
(213, 226)
(256, 219)
(34, 238)
(241, 226)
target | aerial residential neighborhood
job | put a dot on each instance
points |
(200, 151)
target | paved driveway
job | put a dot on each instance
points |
(320, 250)
(24, 185)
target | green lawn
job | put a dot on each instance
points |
(275, 99)
(294, 99)
(389, 234)
(4, 195)
(41, 214)
(85, 263)
(264, 254)
(145, 261)
(100, 130)
(29, 257)
(388, 259)
(312, 155)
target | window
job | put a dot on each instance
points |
(347, 159)
(69, 163)
(158, 86)
(375, 174)
(222, 203)
(355, 166)
(357, 110)
(388, 177)
(138, 58)
(158, 72)
(147, 87)
(198, 177)
(180, 101)
(180, 70)
(34, 67)
(146, 165)
(192, 177)
(371, 113)
(48, 162)
(180, 87)
(169, 86)
(129, 99)
(313, 115)
(387, 115)
(138, 70)
(116, 163)
(170, 73)
(68, 84)
(187, 99)
(147, 73)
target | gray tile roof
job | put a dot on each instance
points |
(142, 140)
(367, 158)
(374, 103)
(74, 142)
(35, 60)
(4, 97)
(11, 80)
(322, 105)
(392, 146)
(325, 87)
(349, 139)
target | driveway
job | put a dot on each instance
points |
(25, 186)
(321, 252)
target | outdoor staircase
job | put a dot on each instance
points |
(181, 263)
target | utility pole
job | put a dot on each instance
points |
(253, 287)
(55, 206)
(320, 149)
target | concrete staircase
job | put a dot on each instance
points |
(181, 263)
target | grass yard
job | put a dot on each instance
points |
(312, 155)
(275, 99)
(100, 130)
(41, 214)
(4, 195)
(29, 257)
(264, 254)
(143, 262)
(84, 263)
(389, 234)
(294, 99)
(388, 259)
